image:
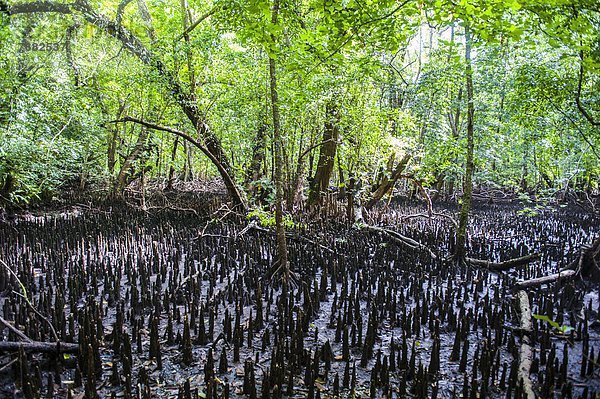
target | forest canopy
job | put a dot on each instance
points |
(97, 95)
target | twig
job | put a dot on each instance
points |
(7, 365)
(24, 296)
(15, 330)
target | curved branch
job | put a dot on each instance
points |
(229, 182)
(196, 23)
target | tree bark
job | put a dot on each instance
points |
(258, 157)
(505, 265)
(563, 275)
(172, 165)
(461, 235)
(327, 153)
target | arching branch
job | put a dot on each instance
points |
(229, 182)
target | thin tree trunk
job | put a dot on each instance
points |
(258, 157)
(188, 172)
(172, 165)
(325, 165)
(147, 18)
(185, 22)
(296, 180)
(282, 255)
(463, 222)
(454, 115)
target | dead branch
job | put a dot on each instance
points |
(40, 347)
(525, 352)
(430, 216)
(296, 237)
(505, 265)
(387, 183)
(398, 238)
(17, 332)
(564, 275)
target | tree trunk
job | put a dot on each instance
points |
(231, 186)
(387, 183)
(325, 164)
(172, 165)
(461, 235)
(188, 167)
(258, 157)
(124, 172)
(282, 255)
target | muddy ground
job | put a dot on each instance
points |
(150, 296)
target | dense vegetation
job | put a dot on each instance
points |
(312, 117)
(359, 85)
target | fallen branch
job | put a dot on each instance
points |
(563, 275)
(525, 352)
(505, 265)
(398, 238)
(431, 215)
(586, 263)
(17, 332)
(254, 226)
(360, 224)
(41, 347)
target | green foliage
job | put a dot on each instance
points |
(564, 329)
(393, 69)
(267, 219)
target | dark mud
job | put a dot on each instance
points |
(176, 304)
